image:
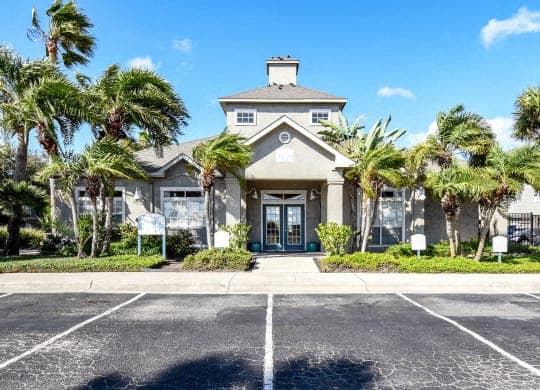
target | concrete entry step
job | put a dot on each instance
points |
(285, 264)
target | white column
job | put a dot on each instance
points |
(334, 198)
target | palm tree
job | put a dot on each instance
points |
(378, 162)
(14, 197)
(69, 172)
(414, 174)
(356, 144)
(67, 35)
(458, 133)
(527, 115)
(102, 161)
(226, 153)
(451, 187)
(501, 180)
(130, 100)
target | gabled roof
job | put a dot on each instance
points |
(156, 164)
(283, 93)
(341, 160)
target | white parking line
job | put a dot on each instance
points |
(269, 347)
(532, 295)
(5, 295)
(523, 364)
(70, 330)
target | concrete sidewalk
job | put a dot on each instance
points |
(280, 283)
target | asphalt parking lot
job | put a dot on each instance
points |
(153, 341)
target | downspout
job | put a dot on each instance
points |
(152, 206)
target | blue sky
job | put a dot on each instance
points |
(410, 59)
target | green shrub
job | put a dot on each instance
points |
(179, 244)
(58, 244)
(239, 235)
(400, 250)
(215, 259)
(30, 238)
(70, 264)
(334, 237)
(384, 262)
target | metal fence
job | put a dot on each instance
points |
(524, 228)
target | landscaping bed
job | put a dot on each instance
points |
(218, 260)
(120, 263)
(384, 262)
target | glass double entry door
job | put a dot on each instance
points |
(283, 227)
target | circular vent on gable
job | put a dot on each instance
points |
(284, 137)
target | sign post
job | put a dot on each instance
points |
(500, 246)
(418, 243)
(150, 224)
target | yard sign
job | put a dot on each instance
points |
(151, 224)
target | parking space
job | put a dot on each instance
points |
(218, 341)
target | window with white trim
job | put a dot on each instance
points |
(245, 116)
(388, 225)
(183, 208)
(318, 115)
(84, 204)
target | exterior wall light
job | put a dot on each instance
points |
(314, 194)
(253, 193)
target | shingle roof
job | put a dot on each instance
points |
(152, 162)
(283, 92)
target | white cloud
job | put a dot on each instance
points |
(416, 138)
(389, 91)
(502, 127)
(184, 45)
(143, 63)
(524, 21)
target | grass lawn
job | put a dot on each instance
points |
(383, 262)
(74, 264)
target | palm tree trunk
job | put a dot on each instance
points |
(95, 237)
(74, 215)
(486, 215)
(366, 203)
(52, 189)
(108, 221)
(412, 201)
(207, 220)
(352, 199)
(13, 235)
(21, 159)
(457, 231)
(450, 234)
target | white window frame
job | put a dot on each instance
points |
(317, 110)
(167, 189)
(87, 198)
(245, 110)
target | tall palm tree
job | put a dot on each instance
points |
(459, 133)
(501, 180)
(527, 115)
(451, 187)
(101, 161)
(14, 197)
(129, 100)
(67, 34)
(226, 153)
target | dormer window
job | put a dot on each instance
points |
(318, 115)
(245, 116)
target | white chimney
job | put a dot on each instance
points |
(282, 70)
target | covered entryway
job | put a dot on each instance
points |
(283, 227)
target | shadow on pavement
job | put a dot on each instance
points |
(223, 372)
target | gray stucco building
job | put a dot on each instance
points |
(294, 180)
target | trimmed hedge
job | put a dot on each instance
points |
(214, 259)
(384, 262)
(73, 264)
